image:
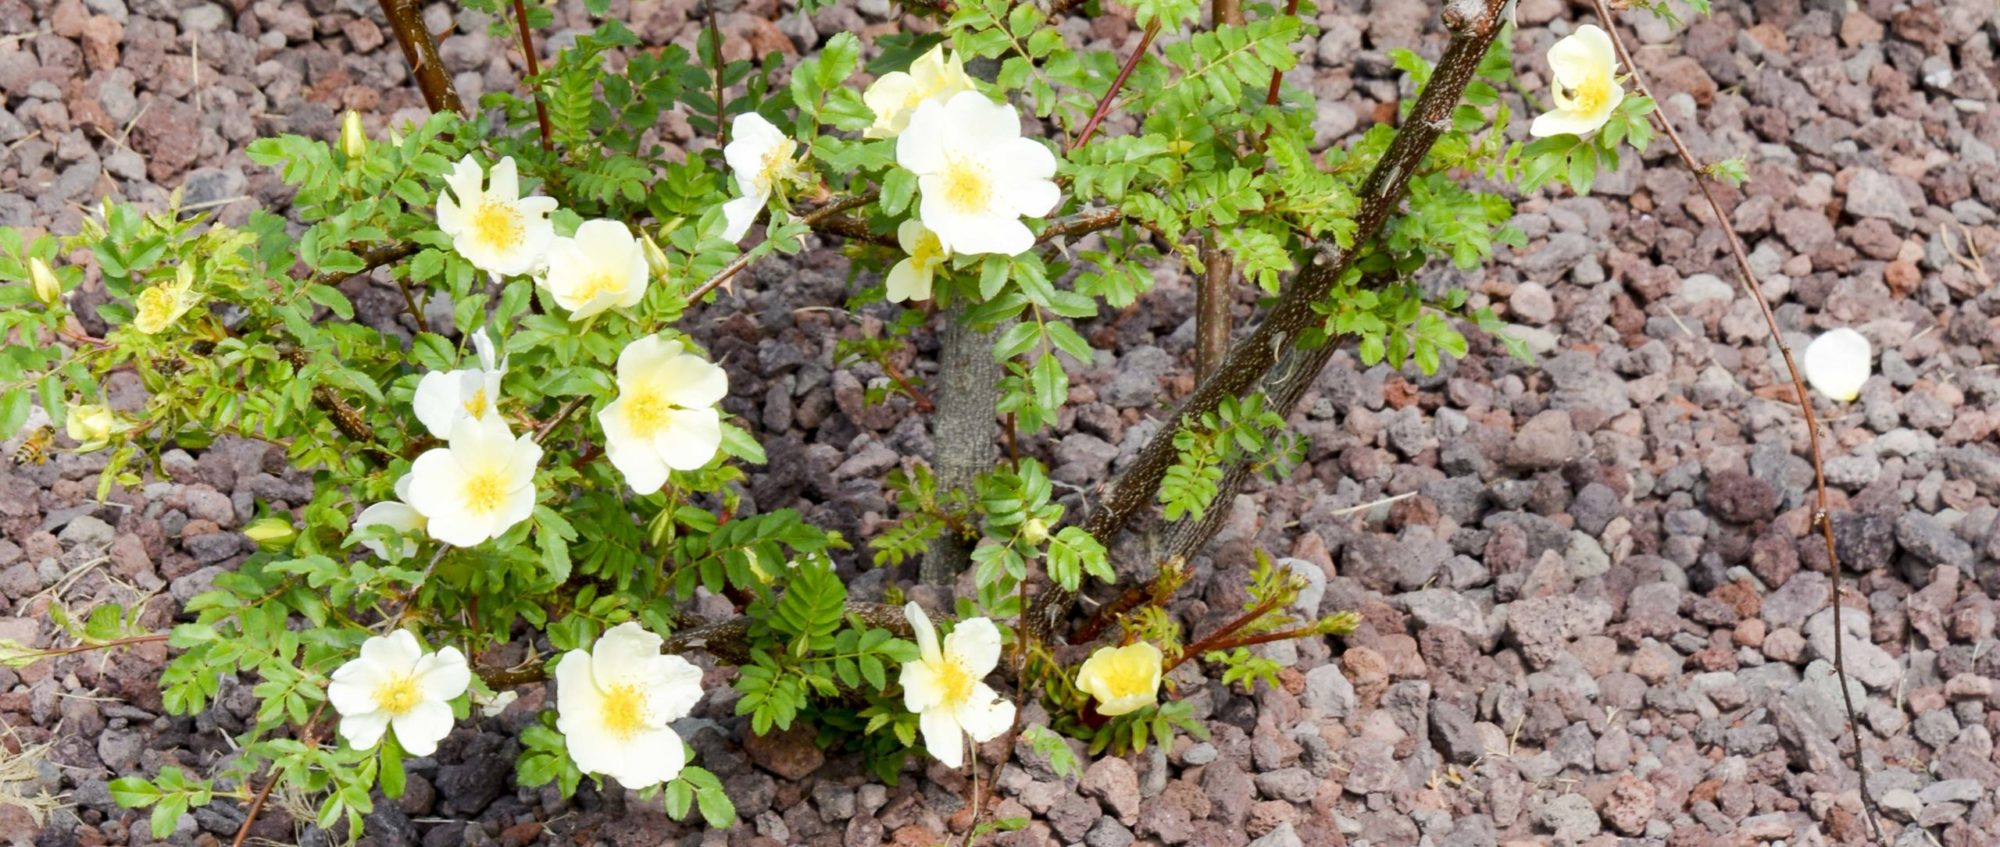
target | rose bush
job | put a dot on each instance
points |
(551, 468)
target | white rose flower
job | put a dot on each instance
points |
(1838, 363)
(445, 398)
(976, 174)
(936, 75)
(911, 278)
(600, 267)
(396, 514)
(944, 687)
(1585, 88)
(760, 155)
(478, 486)
(665, 416)
(396, 684)
(490, 223)
(613, 704)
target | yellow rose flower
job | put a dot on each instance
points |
(1585, 89)
(161, 305)
(1122, 679)
(91, 424)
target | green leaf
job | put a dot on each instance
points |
(133, 792)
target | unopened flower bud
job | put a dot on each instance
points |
(353, 138)
(1035, 532)
(656, 259)
(48, 289)
(270, 532)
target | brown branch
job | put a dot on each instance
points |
(1821, 508)
(372, 258)
(1118, 82)
(1059, 8)
(406, 20)
(1211, 308)
(1214, 640)
(562, 414)
(534, 70)
(814, 219)
(1255, 359)
(263, 794)
(1080, 224)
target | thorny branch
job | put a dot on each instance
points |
(1822, 516)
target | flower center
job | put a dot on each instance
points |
(1125, 679)
(485, 490)
(496, 224)
(602, 283)
(956, 683)
(1591, 95)
(646, 411)
(624, 711)
(476, 407)
(398, 695)
(966, 187)
(777, 164)
(929, 251)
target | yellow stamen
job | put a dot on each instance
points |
(1591, 95)
(476, 406)
(604, 283)
(398, 696)
(953, 681)
(496, 224)
(485, 490)
(624, 711)
(1127, 677)
(646, 411)
(966, 187)
(778, 165)
(929, 250)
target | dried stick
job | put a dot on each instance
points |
(1820, 518)
(534, 69)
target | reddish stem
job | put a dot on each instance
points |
(534, 69)
(1124, 72)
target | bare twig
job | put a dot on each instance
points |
(263, 794)
(1118, 82)
(1821, 518)
(812, 219)
(534, 69)
(562, 414)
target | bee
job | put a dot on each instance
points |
(34, 448)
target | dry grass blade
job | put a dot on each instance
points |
(17, 777)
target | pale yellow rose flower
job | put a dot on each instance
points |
(1123, 680)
